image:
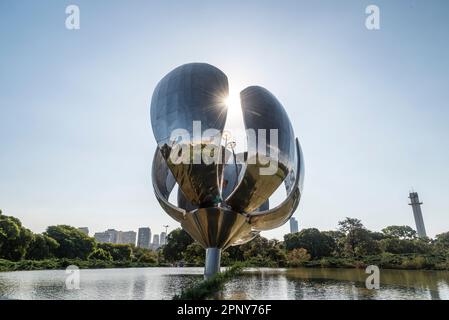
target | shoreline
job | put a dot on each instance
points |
(393, 262)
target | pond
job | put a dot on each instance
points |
(269, 284)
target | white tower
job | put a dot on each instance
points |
(417, 213)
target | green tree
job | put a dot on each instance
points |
(263, 252)
(442, 241)
(195, 254)
(318, 244)
(276, 252)
(145, 255)
(297, 257)
(366, 245)
(350, 224)
(234, 254)
(41, 247)
(338, 238)
(400, 232)
(14, 238)
(377, 236)
(355, 234)
(100, 254)
(72, 242)
(401, 246)
(177, 242)
(118, 252)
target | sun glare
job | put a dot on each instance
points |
(233, 101)
(234, 121)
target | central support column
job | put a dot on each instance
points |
(213, 257)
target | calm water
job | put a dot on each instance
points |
(163, 283)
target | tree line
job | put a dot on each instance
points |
(350, 245)
(62, 242)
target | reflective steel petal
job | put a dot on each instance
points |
(261, 110)
(163, 183)
(184, 203)
(230, 178)
(192, 92)
(276, 217)
(264, 207)
(246, 238)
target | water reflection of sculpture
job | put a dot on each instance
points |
(222, 205)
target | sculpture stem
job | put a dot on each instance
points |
(223, 158)
(213, 257)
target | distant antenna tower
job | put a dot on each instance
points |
(417, 213)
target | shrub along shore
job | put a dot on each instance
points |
(350, 246)
(61, 264)
(384, 261)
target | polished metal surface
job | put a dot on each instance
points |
(276, 217)
(184, 203)
(191, 92)
(226, 203)
(163, 183)
(216, 227)
(261, 110)
(213, 257)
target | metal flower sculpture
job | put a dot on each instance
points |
(223, 202)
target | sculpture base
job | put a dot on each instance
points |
(212, 266)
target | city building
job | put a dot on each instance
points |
(102, 237)
(293, 225)
(84, 230)
(115, 236)
(109, 236)
(144, 238)
(163, 238)
(155, 243)
(127, 237)
(417, 213)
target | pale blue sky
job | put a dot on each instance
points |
(370, 107)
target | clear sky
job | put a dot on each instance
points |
(370, 107)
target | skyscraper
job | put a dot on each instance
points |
(102, 237)
(144, 238)
(417, 213)
(127, 237)
(115, 236)
(293, 225)
(163, 238)
(155, 244)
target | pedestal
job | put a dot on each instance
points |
(213, 257)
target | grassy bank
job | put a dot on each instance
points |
(385, 261)
(208, 288)
(56, 264)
